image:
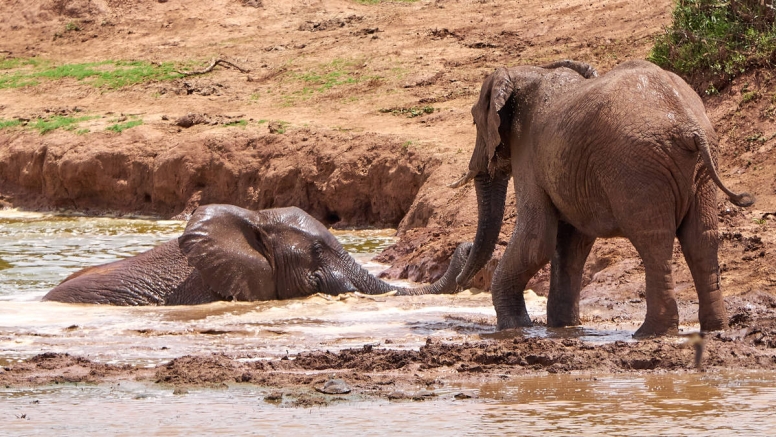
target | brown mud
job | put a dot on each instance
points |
(379, 371)
(376, 147)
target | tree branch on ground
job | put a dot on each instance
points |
(213, 63)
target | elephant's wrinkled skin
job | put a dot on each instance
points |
(630, 153)
(230, 253)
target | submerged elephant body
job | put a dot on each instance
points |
(230, 253)
(630, 153)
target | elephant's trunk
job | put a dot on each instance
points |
(446, 284)
(368, 284)
(491, 198)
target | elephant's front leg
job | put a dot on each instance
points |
(571, 251)
(530, 248)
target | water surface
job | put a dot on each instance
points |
(661, 404)
(37, 251)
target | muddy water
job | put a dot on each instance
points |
(687, 404)
(37, 251)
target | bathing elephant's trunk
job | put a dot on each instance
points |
(369, 284)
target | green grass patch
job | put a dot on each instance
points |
(712, 41)
(410, 112)
(241, 123)
(327, 76)
(109, 74)
(12, 63)
(4, 124)
(46, 125)
(121, 127)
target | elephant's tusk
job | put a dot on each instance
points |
(464, 180)
(373, 296)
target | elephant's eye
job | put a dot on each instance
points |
(317, 248)
(316, 279)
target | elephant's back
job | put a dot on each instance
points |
(149, 278)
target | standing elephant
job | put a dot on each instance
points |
(230, 253)
(630, 153)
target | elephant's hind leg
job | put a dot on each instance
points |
(571, 251)
(656, 250)
(698, 237)
(530, 248)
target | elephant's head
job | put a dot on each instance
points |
(503, 110)
(271, 254)
(282, 253)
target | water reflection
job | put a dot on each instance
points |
(39, 250)
(658, 404)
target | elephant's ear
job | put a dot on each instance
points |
(495, 93)
(228, 248)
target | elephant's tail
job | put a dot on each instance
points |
(584, 69)
(739, 199)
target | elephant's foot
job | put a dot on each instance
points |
(713, 323)
(652, 329)
(522, 321)
(563, 320)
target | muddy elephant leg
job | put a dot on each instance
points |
(530, 248)
(571, 251)
(699, 239)
(656, 250)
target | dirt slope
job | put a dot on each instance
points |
(357, 112)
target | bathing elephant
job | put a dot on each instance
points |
(630, 153)
(230, 253)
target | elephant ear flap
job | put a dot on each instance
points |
(495, 92)
(227, 247)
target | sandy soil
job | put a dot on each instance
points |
(326, 103)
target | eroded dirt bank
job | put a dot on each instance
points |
(343, 179)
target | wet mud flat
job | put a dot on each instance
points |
(380, 370)
(591, 379)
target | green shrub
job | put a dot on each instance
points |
(712, 41)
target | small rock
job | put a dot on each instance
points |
(462, 396)
(397, 395)
(185, 121)
(334, 387)
(276, 127)
(274, 397)
(180, 391)
(422, 395)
